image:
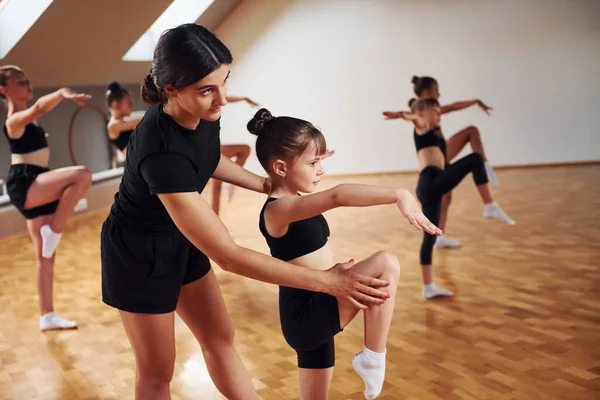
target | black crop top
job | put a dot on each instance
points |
(303, 237)
(122, 141)
(431, 139)
(33, 139)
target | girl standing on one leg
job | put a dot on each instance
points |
(45, 197)
(427, 87)
(437, 177)
(291, 151)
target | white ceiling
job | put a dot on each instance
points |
(82, 42)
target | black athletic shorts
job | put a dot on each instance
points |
(309, 321)
(144, 273)
(19, 180)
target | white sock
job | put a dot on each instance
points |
(493, 210)
(430, 291)
(443, 241)
(50, 240)
(52, 321)
(493, 178)
(371, 368)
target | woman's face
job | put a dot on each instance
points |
(204, 98)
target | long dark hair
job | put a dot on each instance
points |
(283, 137)
(184, 55)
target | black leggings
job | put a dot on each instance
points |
(435, 182)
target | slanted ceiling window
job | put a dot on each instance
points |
(179, 12)
(16, 17)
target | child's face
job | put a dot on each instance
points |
(306, 170)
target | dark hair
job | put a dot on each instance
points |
(115, 92)
(184, 55)
(6, 71)
(422, 83)
(417, 105)
(283, 138)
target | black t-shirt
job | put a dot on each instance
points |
(163, 157)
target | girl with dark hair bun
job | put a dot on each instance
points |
(438, 177)
(291, 151)
(121, 124)
(428, 87)
(159, 235)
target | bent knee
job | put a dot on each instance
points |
(389, 262)
(473, 130)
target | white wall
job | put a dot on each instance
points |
(339, 63)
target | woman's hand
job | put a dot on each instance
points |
(409, 207)
(360, 290)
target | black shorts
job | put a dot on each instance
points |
(309, 321)
(144, 273)
(19, 180)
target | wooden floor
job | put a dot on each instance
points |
(524, 324)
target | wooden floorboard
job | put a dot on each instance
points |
(524, 324)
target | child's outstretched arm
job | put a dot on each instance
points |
(295, 208)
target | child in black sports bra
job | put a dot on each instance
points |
(437, 177)
(291, 151)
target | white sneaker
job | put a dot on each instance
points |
(430, 291)
(443, 242)
(494, 211)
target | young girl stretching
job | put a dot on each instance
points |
(291, 151)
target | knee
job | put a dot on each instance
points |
(473, 131)
(219, 339)
(477, 158)
(156, 375)
(390, 264)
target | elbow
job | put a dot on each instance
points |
(228, 258)
(337, 196)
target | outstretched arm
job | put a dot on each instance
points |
(295, 208)
(418, 121)
(15, 124)
(461, 105)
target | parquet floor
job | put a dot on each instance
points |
(524, 324)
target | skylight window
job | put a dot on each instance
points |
(16, 17)
(179, 12)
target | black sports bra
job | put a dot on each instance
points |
(123, 140)
(303, 237)
(33, 139)
(430, 139)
